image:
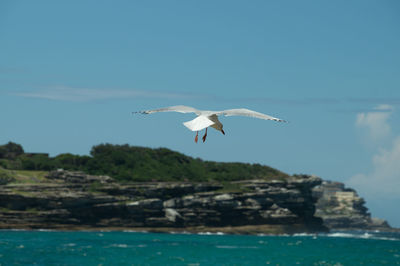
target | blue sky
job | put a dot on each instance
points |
(72, 72)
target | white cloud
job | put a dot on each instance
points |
(381, 186)
(384, 180)
(61, 93)
(376, 122)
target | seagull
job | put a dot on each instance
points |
(207, 119)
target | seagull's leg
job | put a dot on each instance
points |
(205, 135)
(197, 137)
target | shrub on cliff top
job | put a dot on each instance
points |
(11, 150)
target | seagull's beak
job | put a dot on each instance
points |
(223, 132)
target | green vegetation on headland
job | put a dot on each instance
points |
(21, 176)
(130, 163)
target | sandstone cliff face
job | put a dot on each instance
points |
(342, 208)
(75, 200)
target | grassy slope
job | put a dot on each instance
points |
(23, 176)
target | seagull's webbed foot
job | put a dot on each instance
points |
(197, 137)
(205, 136)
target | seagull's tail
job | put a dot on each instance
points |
(199, 123)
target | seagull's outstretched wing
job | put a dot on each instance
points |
(178, 108)
(247, 112)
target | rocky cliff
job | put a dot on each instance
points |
(73, 200)
(342, 209)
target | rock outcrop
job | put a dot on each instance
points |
(342, 209)
(71, 200)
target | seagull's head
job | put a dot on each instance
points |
(219, 127)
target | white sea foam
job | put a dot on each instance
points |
(28, 230)
(340, 234)
(127, 246)
(210, 233)
(120, 245)
(365, 235)
(227, 247)
(375, 235)
(134, 231)
(234, 247)
(305, 234)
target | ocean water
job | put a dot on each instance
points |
(135, 248)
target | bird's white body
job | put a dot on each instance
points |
(207, 119)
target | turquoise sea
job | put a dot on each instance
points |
(135, 248)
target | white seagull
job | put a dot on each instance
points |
(206, 119)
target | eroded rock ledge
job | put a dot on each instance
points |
(73, 200)
(342, 208)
